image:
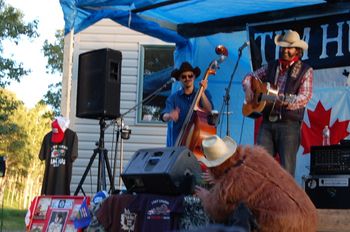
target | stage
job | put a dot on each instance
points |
(333, 220)
(193, 216)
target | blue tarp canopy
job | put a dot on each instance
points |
(175, 20)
